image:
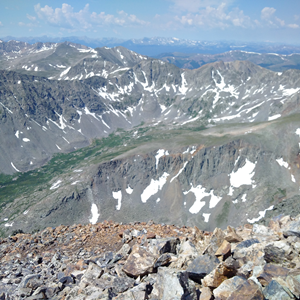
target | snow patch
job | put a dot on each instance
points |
(282, 163)
(274, 117)
(214, 200)
(199, 193)
(118, 196)
(206, 217)
(193, 150)
(184, 87)
(75, 182)
(160, 153)
(244, 198)
(261, 215)
(180, 171)
(14, 167)
(95, 214)
(243, 175)
(129, 190)
(154, 187)
(64, 72)
(56, 185)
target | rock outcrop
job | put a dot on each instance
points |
(153, 261)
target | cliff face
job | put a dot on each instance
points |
(235, 181)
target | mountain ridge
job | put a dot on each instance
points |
(127, 135)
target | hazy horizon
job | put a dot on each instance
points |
(202, 20)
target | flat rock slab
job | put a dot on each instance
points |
(201, 266)
(224, 290)
(275, 291)
(271, 271)
(247, 291)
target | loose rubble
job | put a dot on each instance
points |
(153, 261)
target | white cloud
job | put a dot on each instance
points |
(269, 19)
(27, 24)
(66, 17)
(267, 12)
(294, 26)
(1, 24)
(31, 18)
(216, 17)
(196, 5)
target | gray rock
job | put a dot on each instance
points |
(26, 280)
(292, 229)
(165, 245)
(275, 291)
(201, 266)
(247, 243)
(224, 290)
(173, 284)
(163, 260)
(93, 272)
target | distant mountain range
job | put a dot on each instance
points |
(107, 133)
(158, 45)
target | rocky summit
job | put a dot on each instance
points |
(142, 260)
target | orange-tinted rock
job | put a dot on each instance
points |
(139, 262)
(206, 294)
(224, 250)
(247, 291)
(232, 236)
(218, 275)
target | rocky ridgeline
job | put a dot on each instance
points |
(153, 261)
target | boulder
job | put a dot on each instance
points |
(201, 266)
(224, 290)
(249, 250)
(218, 275)
(163, 260)
(139, 263)
(293, 283)
(279, 253)
(93, 272)
(275, 291)
(114, 283)
(206, 294)
(216, 241)
(292, 228)
(247, 291)
(27, 279)
(224, 250)
(232, 236)
(174, 284)
(271, 271)
(186, 255)
(164, 245)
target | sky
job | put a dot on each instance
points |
(212, 20)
